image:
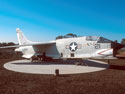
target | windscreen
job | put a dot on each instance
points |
(103, 40)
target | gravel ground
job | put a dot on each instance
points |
(110, 81)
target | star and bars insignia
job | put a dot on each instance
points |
(73, 46)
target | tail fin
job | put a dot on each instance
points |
(21, 38)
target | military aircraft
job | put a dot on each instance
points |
(67, 48)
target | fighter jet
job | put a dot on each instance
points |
(67, 48)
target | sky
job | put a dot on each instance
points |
(43, 20)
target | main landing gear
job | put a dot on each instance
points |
(36, 59)
(41, 58)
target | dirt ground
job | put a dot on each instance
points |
(109, 81)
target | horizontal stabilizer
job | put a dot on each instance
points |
(14, 46)
(27, 56)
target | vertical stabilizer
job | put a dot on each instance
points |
(21, 37)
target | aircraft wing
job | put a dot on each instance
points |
(33, 44)
(39, 44)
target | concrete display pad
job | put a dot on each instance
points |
(25, 66)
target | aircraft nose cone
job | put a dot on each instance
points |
(116, 46)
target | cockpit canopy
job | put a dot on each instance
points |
(98, 39)
(92, 38)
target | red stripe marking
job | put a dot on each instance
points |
(100, 53)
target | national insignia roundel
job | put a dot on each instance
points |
(73, 46)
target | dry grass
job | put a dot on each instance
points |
(110, 81)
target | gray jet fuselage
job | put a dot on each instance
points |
(79, 47)
(67, 48)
